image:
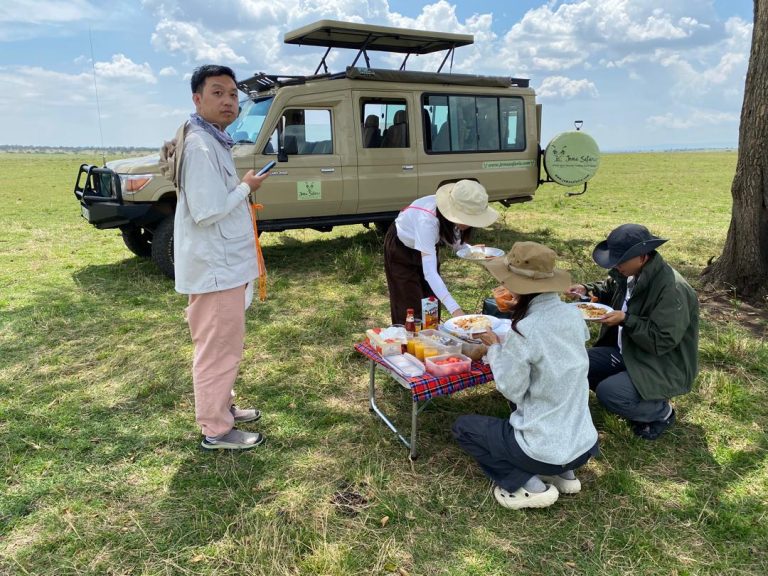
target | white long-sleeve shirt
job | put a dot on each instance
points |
(544, 372)
(419, 229)
(213, 242)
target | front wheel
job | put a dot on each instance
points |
(162, 246)
(138, 240)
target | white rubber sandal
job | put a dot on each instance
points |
(521, 498)
(563, 485)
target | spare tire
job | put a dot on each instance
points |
(571, 158)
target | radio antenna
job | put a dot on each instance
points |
(96, 89)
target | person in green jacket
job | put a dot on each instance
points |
(647, 350)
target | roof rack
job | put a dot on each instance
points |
(365, 37)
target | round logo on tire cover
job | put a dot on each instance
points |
(571, 158)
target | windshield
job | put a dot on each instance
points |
(245, 130)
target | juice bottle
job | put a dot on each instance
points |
(412, 346)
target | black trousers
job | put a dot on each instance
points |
(491, 442)
(609, 378)
(405, 277)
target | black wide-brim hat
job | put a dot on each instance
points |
(623, 243)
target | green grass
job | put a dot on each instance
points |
(99, 450)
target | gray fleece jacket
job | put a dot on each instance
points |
(544, 372)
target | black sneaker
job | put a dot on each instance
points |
(652, 430)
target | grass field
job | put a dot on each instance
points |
(99, 450)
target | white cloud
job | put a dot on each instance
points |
(190, 40)
(45, 11)
(123, 68)
(565, 88)
(168, 71)
(693, 119)
(565, 35)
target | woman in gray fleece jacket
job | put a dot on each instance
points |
(541, 368)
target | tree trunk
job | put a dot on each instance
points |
(743, 265)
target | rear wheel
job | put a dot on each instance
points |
(383, 226)
(162, 246)
(138, 240)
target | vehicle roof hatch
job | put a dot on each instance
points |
(365, 37)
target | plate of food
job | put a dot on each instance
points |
(472, 324)
(592, 310)
(479, 252)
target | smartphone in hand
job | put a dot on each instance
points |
(269, 165)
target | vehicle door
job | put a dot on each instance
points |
(307, 180)
(386, 150)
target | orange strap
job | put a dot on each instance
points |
(259, 256)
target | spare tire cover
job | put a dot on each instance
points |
(571, 158)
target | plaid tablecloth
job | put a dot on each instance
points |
(428, 386)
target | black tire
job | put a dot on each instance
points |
(138, 240)
(162, 246)
(383, 226)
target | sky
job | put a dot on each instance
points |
(641, 74)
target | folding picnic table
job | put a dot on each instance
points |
(422, 388)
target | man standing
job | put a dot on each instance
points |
(215, 257)
(647, 350)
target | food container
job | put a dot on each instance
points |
(382, 345)
(405, 364)
(448, 364)
(474, 350)
(445, 343)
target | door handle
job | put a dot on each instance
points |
(407, 166)
(325, 170)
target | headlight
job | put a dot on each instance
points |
(132, 183)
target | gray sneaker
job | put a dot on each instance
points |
(233, 440)
(245, 414)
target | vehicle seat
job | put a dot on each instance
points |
(290, 145)
(396, 135)
(429, 130)
(371, 132)
(323, 147)
(441, 142)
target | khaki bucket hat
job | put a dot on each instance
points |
(465, 202)
(529, 268)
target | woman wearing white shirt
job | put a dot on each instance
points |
(542, 368)
(411, 244)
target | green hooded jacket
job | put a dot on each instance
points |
(660, 337)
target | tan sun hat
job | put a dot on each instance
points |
(529, 268)
(465, 202)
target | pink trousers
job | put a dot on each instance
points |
(217, 325)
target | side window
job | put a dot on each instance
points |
(385, 123)
(458, 123)
(305, 131)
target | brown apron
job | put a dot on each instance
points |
(405, 277)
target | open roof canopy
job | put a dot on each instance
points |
(365, 37)
(335, 34)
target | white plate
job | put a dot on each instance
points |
(450, 324)
(466, 253)
(603, 307)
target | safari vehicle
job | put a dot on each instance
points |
(355, 147)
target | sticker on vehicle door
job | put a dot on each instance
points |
(309, 190)
(509, 163)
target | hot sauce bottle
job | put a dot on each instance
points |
(410, 322)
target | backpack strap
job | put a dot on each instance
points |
(171, 154)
